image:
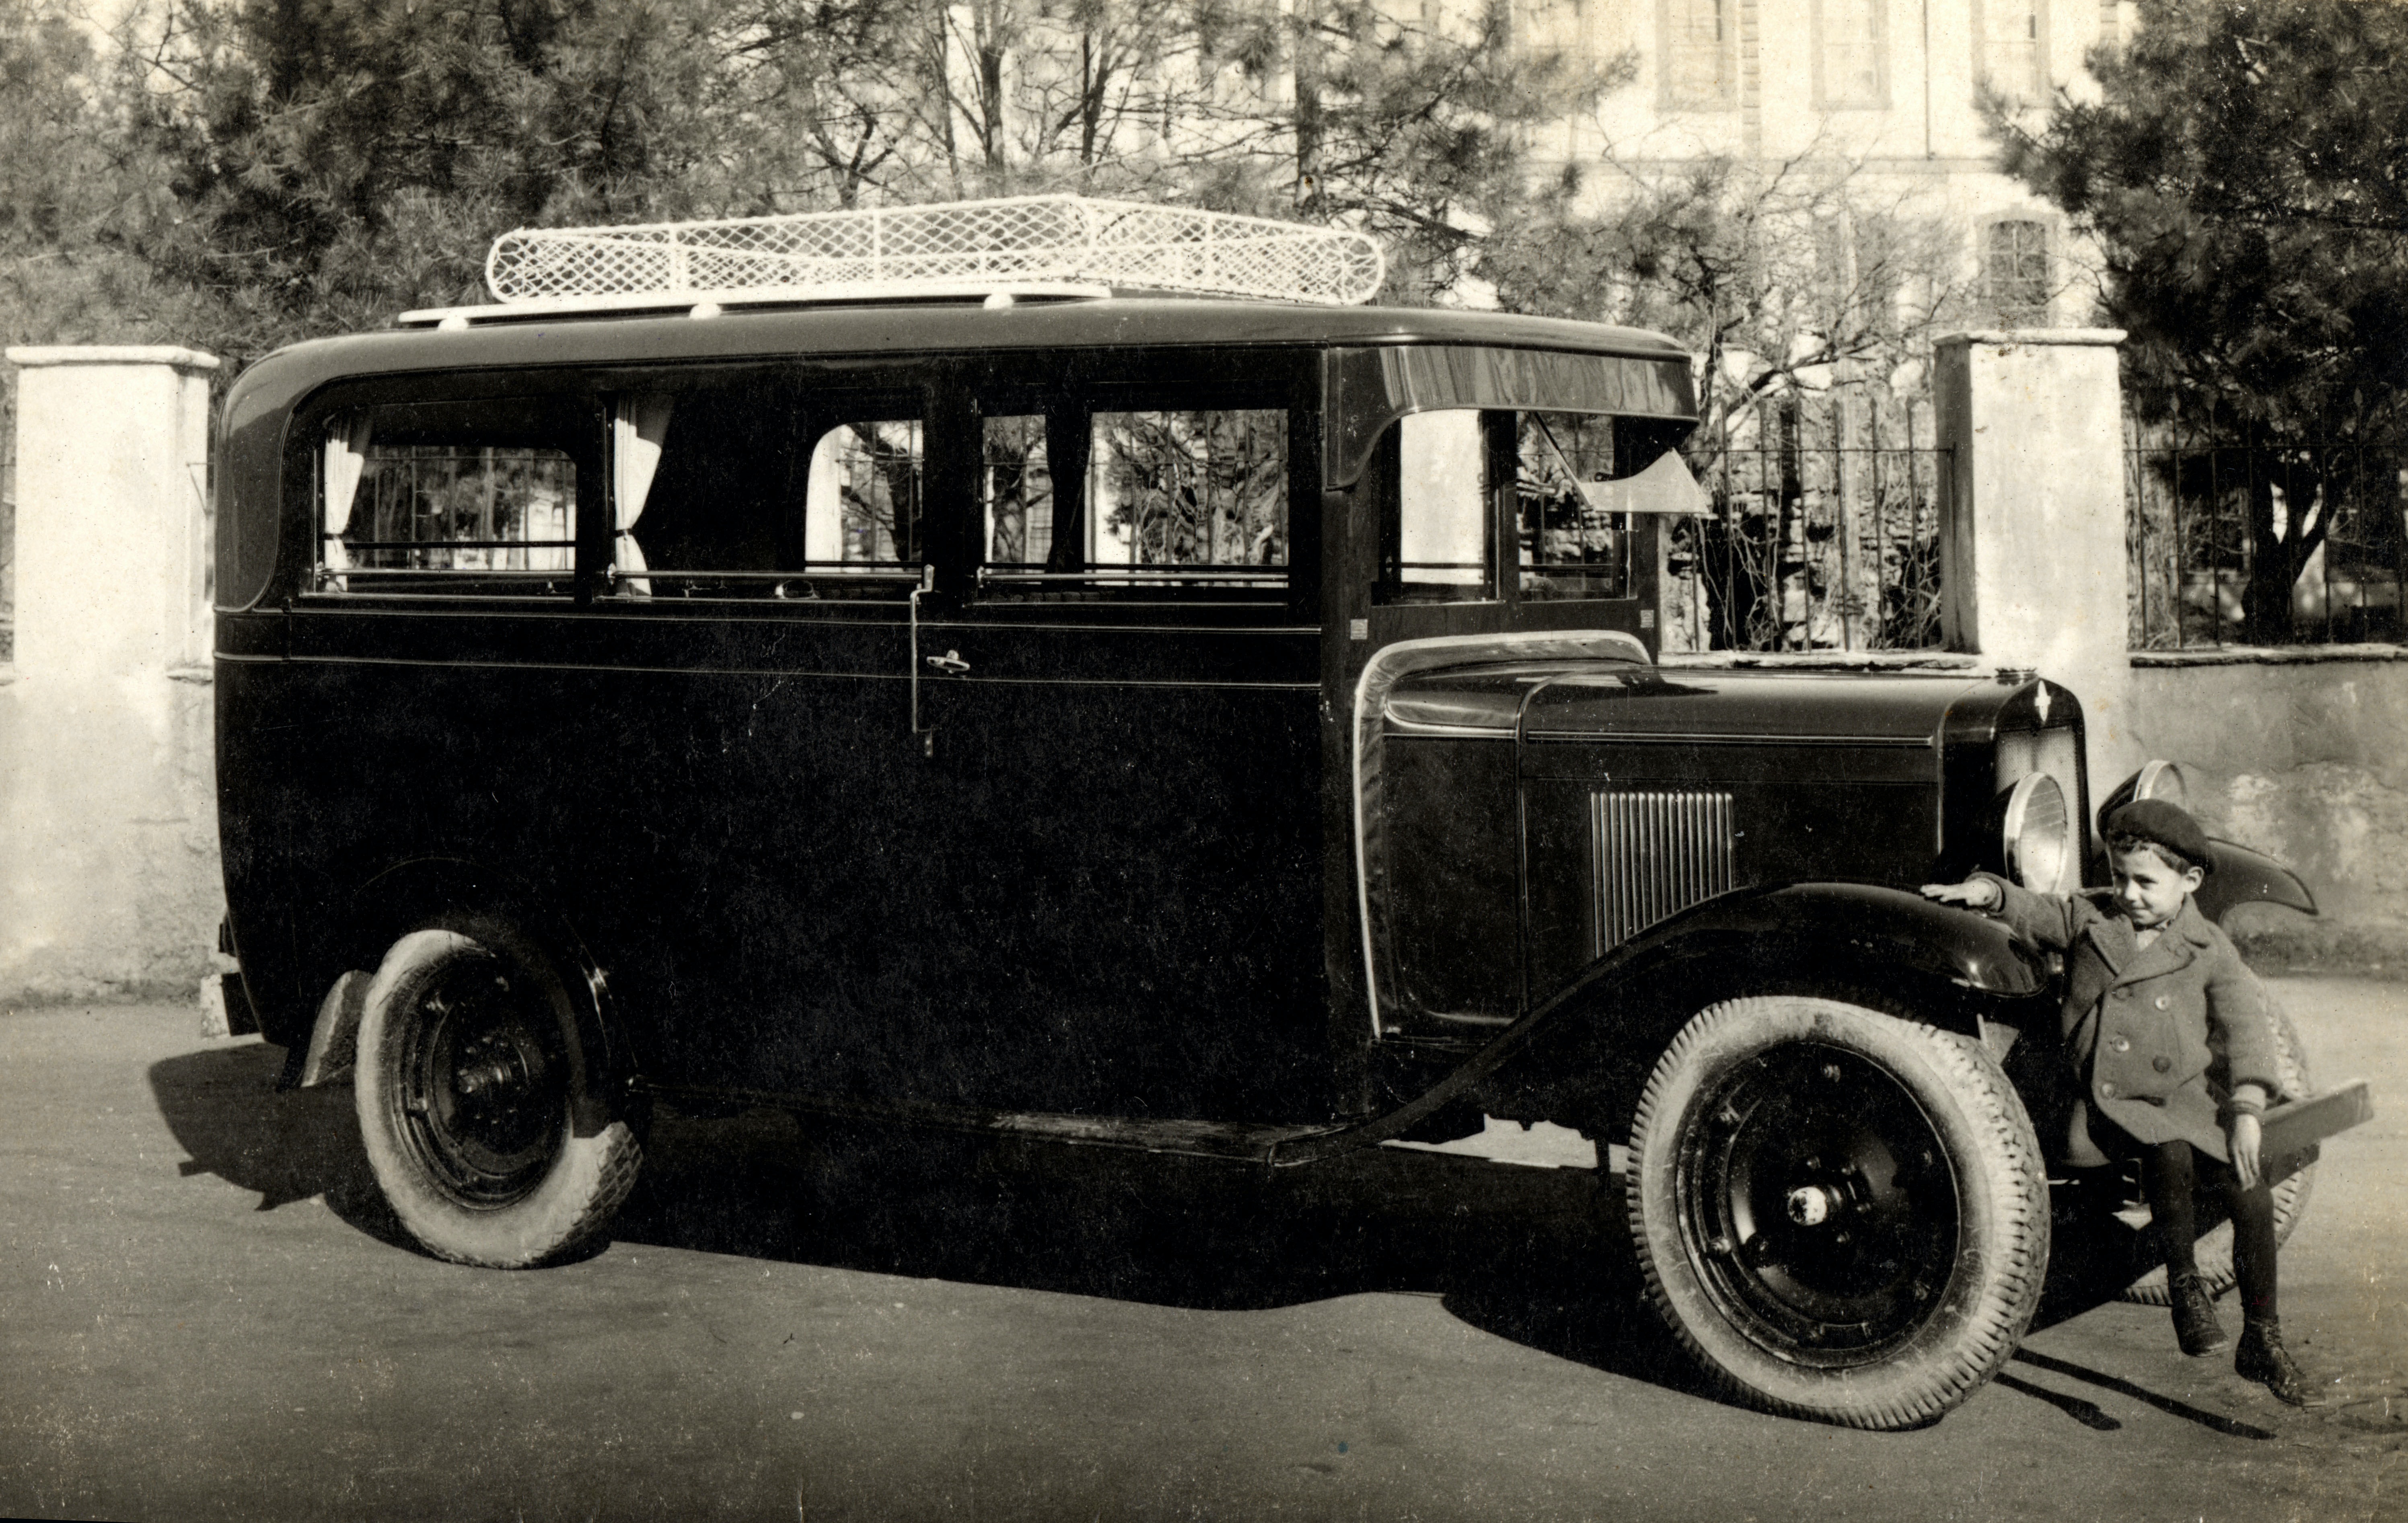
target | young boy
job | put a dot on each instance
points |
(2152, 988)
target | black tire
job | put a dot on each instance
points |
(1842, 1214)
(483, 1124)
(2215, 1247)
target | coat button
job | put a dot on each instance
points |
(2161, 1001)
(2162, 1063)
(2123, 994)
(2121, 1044)
(2107, 1087)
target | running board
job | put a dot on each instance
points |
(1245, 1140)
(1242, 1142)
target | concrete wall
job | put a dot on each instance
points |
(109, 865)
(2301, 754)
(2304, 755)
(2031, 517)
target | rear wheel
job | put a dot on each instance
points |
(482, 1119)
(1842, 1213)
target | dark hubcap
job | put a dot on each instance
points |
(1817, 1201)
(484, 1082)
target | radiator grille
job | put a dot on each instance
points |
(1653, 855)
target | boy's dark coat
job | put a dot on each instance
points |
(2157, 1035)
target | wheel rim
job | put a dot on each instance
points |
(484, 1098)
(1817, 1202)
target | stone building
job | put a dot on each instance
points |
(1872, 103)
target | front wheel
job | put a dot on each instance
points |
(480, 1116)
(1842, 1214)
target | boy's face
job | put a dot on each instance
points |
(2148, 888)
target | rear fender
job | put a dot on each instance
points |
(412, 894)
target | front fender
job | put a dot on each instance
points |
(1825, 927)
(1590, 1046)
(2243, 876)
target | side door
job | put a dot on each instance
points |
(1119, 689)
(769, 546)
(1481, 529)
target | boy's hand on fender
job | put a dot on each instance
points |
(1974, 893)
(2246, 1135)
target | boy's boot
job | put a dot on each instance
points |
(2195, 1325)
(2263, 1358)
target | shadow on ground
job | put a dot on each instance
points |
(1540, 1256)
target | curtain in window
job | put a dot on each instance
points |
(639, 426)
(346, 459)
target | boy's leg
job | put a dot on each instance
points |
(2169, 1174)
(2253, 1247)
(2169, 1177)
(2261, 1356)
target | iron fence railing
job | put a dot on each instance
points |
(1825, 529)
(2239, 537)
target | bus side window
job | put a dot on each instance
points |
(1436, 545)
(1571, 547)
(862, 506)
(697, 482)
(1016, 493)
(450, 498)
(1204, 492)
(1083, 505)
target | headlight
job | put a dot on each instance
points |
(2154, 779)
(2034, 837)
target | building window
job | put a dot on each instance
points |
(2010, 47)
(1699, 53)
(1851, 54)
(2015, 271)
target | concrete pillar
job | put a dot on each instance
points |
(2032, 525)
(110, 882)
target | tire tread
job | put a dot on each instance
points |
(1998, 1320)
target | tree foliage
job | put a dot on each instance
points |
(290, 167)
(1811, 295)
(2244, 173)
(1782, 274)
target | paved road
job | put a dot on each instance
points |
(202, 1315)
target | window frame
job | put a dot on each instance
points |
(305, 483)
(1085, 382)
(1671, 93)
(1383, 479)
(2027, 91)
(1500, 430)
(2038, 313)
(1827, 97)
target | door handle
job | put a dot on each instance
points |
(950, 663)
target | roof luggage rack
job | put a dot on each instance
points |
(937, 250)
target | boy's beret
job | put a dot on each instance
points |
(2167, 825)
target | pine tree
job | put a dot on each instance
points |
(2241, 173)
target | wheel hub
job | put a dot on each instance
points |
(485, 1085)
(1817, 1191)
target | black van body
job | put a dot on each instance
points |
(1051, 713)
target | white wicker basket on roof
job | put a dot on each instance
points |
(1025, 238)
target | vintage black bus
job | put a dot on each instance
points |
(1173, 721)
